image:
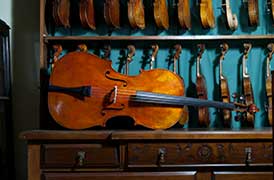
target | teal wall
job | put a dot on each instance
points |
(187, 65)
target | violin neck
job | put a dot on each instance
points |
(268, 67)
(198, 73)
(245, 74)
(163, 99)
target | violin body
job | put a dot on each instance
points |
(160, 11)
(136, 14)
(184, 14)
(253, 12)
(232, 21)
(61, 12)
(203, 114)
(87, 15)
(248, 93)
(207, 14)
(112, 13)
(78, 68)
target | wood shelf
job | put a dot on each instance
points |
(159, 38)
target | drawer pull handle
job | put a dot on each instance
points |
(248, 152)
(81, 158)
(161, 156)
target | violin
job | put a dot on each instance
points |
(160, 11)
(155, 49)
(154, 98)
(176, 57)
(57, 52)
(270, 48)
(112, 13)
(247, 87)
(253, 12)
(203, 114)
(61, 12)
(207, 14)
(86, 13)
(224, 87)
(131, 53)
(231, 19)
(83, 48)
(184, 14)
(136, 14)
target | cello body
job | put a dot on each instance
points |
(79, 68)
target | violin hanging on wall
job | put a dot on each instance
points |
(61, 12)
(207, 14)
(253, 12)
(270, 48)
(247, 87)
(154, 98)
(112, 13)
(203, 115)
(155, 49)
(225, 96)
(136, 14)
(131, 53)
(231, 19)
(184, 14)
(86, 13)
(160, 11)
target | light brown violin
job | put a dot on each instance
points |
(231, 19)
(225, 96)
(136, 14)
(112, 13)
(160, 11)
(86, 13)
(184, 14)
(247, 87)
(84, 91)
(57, 48)
(207, 14)
(253, 12)
(203, 114)
(270, 48)
(155, 49)
(131, 53)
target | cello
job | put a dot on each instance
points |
(270, 48)
(203, 115)
(224, 87)
(247, 87)
(154, 98)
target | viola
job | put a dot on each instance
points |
(207, 14)
(160, 11)
(270, 48)
(203, 115)
(224, 87)
(84, 91)
(136, 14)
(247, 87)
(184, 14)
(86, 13)
(155, 49)
(253, 12)
(231, 19)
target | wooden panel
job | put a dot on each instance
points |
(122, 176)
(68, 156)
(34, 162)
(243, 175)
(199, 154)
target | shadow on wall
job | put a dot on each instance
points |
(25, 53)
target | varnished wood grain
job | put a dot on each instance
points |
(243, 175)
(34, 162)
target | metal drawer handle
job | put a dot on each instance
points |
(248, 152)
(81, 155)
(161, 156)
